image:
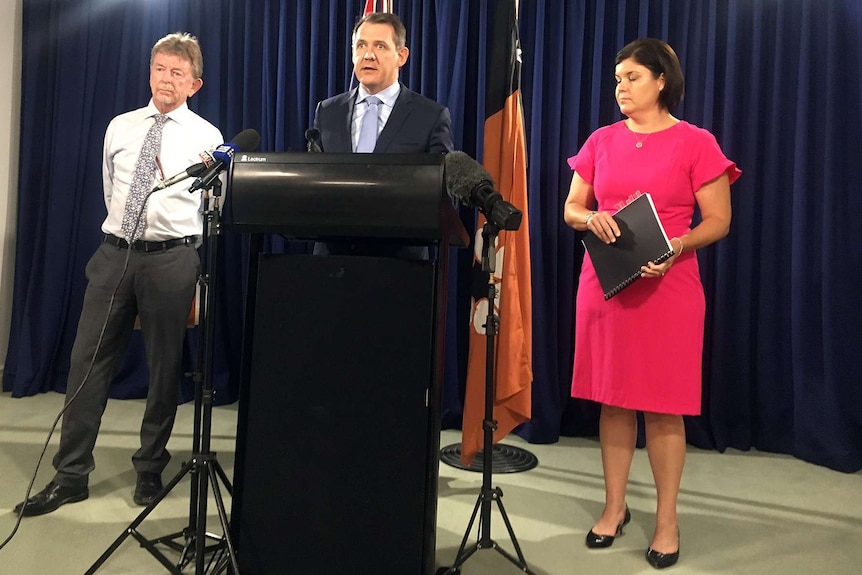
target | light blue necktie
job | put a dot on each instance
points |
(368, 130)
(142, 180)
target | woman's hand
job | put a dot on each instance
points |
(652, 270)
(603, 226)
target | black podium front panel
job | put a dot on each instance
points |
(338, 462)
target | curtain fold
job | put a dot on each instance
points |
(778, 83)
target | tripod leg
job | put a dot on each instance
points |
(186, 550)
(462, 555)
(223, 518)
(200, 531)
(223, 476)
(146, 544)
(133, 526)
(109, 551)
(186, 553)
(511, 531)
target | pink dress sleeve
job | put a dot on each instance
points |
(708, 161)
(584, 163)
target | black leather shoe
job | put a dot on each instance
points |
(50, 499)
(661, 560)
(596, 541)
(148, 486)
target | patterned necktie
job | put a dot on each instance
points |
(142, 180)
(368, 130)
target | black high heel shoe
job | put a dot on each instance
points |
(661, 560)
(596, 541)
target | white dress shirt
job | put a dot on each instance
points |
(172, 212)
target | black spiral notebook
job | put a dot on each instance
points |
(642, 239)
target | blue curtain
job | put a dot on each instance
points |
(778, 83)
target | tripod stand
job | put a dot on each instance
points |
(488, 493)
(203, 466)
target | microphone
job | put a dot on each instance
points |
(468, 182)
(190, 172)
(245, 141)
(312, 136)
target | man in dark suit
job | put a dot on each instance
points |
(407, 122)
(380, 115)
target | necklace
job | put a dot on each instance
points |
(640, 143)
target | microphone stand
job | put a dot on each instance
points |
(488, 493)
(203, 466)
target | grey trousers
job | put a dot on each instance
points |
(159, 287)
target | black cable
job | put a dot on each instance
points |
(86, 375)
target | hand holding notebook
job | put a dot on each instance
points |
(642, 239)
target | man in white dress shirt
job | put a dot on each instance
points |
(141, 148)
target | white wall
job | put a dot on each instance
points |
(10, 126)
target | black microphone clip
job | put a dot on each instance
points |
(312, 136)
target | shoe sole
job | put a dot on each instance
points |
(143, 502)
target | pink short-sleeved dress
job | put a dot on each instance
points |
(642, 349)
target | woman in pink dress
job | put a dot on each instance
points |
(641, 350)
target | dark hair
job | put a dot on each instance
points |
(660, 59)
(184, 45)
(399, 32)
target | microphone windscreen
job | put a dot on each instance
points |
(312, 135)
(463, 175)
(247, 140)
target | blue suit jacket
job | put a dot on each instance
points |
(416, 125)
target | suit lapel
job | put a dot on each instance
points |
(402, 108)
(345, 113)
(336, 124)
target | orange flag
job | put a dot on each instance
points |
(505, 158)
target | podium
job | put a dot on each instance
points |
(339, 416)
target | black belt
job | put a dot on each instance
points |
(142, 246)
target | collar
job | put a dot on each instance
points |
(387, 95)
(177, 115)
